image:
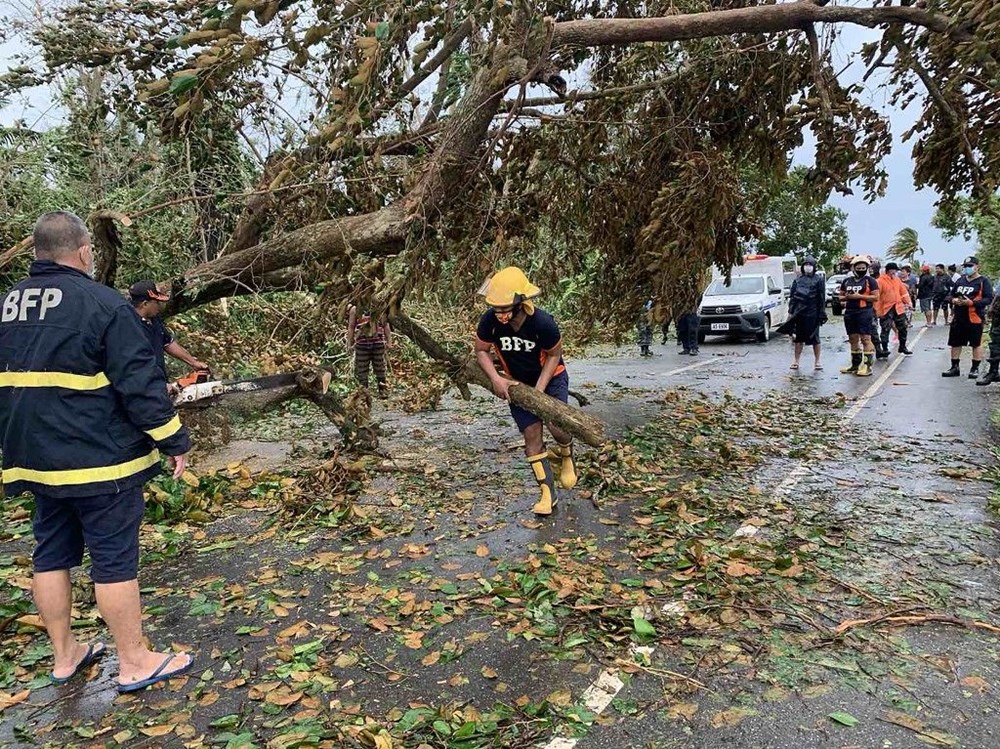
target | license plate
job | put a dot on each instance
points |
(720, 326)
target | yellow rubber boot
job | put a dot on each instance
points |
(566, 468)
(856, 362)
(865, 370)
(546, 483)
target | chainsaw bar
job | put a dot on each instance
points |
(203, 391)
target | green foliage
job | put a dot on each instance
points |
(796, 222)
(974, 221)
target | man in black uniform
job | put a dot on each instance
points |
(858, 294)
(941, 293)
(971, 296)
(148, 301)
(993, 373)
(84, 416)
(529, 345)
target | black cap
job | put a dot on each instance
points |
(891, 266)
(142, 291)
(971, 260)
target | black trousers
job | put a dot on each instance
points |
(886, 323)
(687, 330)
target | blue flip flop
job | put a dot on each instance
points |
(158, 675)
(95, 651)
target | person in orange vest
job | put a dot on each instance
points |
(890, 309)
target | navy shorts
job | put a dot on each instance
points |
(859, 321)
(558, 388)
(107, 524)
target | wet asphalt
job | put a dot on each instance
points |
(931, 422)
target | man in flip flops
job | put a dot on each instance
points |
(84, 418)
(529, 345)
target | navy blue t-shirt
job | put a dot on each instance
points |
(854, 285)
(522, 352)
(160, 338)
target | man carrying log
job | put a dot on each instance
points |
(528, 343)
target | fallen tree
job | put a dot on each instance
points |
(436, 185)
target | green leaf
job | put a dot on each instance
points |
(465, 731)
(181, 83)
(382, 31)
(442, 727)
(643, 628)
(226, 721)
(845, 719)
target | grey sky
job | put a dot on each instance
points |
(870, 226)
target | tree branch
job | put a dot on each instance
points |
(818, 73)
(948, 111)
(577, 96)
(760, 19)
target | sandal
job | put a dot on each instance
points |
(95, 651)
(158, 675)
(794, 365)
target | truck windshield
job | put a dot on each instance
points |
(746, 285)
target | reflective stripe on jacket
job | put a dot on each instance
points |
(83, 405)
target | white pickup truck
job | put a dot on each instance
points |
(752, 303)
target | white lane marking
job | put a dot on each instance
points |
(600, 694)
(875, 386)
(561, 743)
(606, 687)
(696, 365)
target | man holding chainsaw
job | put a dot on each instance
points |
(148, 301)
(84, 420)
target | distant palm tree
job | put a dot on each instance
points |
(905, 246)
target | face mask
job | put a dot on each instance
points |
(808, 269)
(860, 272)
(968, 270)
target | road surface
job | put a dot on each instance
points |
(441, 600)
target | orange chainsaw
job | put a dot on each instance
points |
(198, 389)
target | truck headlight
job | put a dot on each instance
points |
(752, 307)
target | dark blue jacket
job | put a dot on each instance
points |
(83, 404)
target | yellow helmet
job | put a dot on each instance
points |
(508, 286)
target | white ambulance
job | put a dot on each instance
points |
(751, 304)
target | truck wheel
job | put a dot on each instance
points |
(701, 338)
(765, 335)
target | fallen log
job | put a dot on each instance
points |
(351, 415)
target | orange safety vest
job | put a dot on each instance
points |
(893, 294)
